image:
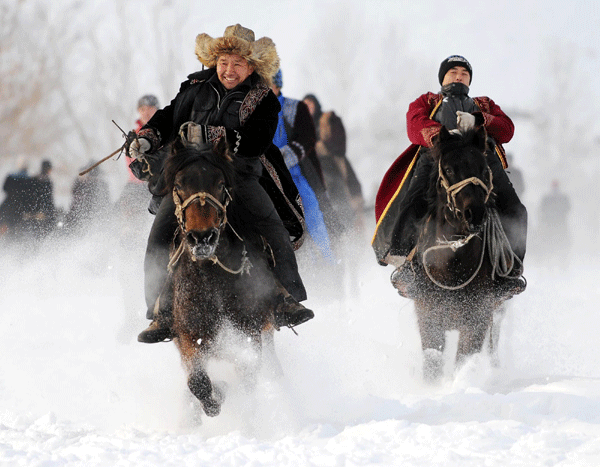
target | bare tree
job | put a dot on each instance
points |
(28, 121)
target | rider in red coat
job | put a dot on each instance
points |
(401, 203)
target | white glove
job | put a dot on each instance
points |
(138, 148)
(465, 121)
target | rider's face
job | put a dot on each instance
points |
(233, 70)
(457, 74)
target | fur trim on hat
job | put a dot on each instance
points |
(261, 54)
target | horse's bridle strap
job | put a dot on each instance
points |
(452, 190)
(203, 198)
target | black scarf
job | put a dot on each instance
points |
(455, 97)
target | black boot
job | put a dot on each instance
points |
(290, 312)
(508, 287)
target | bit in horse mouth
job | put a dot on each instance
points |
(203, 251)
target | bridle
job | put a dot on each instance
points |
(453, 190)
(202, 197)
(221, 207)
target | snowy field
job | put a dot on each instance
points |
(76, 389)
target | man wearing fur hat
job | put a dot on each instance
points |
(232, 100)
(401, 195)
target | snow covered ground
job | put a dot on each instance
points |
(76, 389)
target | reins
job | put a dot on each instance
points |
(494, 241)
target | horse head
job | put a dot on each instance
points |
(200, 178)
(464, 179)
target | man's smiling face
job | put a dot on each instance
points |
(233, 70)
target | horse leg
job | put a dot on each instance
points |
(199, 383)
(433, 342)
(497, 319)
(249, 365)
(270, 359)
(470, 340)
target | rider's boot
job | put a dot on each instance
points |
(508, 287)
(160, 329)
(403, 279)
(289, 312)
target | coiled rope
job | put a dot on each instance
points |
(502, 257)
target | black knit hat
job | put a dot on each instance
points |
(451, 62)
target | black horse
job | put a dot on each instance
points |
(220, 276)
(462, 254)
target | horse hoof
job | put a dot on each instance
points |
(212, 408)
(219, 390)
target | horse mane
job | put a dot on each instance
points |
(448, 142)
(182, 154)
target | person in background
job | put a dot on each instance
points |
(90, 201)
(515, 174)
(146, 107)
(17, 189)
(314, 107)
(41, 216)
(554, 234)
(295, 138)
(343, 186)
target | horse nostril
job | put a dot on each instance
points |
(192, 238)
(202, 238)
(474, 216)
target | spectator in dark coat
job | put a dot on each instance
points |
(344, 189)
(18, 198)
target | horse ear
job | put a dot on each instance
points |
(480, 139)
(222, 149)
(444, 134)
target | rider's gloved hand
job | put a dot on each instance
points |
(465, 121)
(139, 147)
(194, 133)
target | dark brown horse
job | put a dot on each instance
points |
(461, 251)
(220, 276)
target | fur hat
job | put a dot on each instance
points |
(451, 62)
(261, 54)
